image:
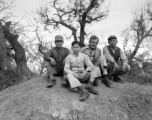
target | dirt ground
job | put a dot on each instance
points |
(31, 100)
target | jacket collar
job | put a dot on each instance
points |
(75, 54)
(61, 48)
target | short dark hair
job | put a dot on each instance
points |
(93, 37)
(75, 42)
(112, 37)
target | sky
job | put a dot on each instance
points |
(120, 15)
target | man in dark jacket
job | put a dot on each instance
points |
(55, 59)
(113, 55)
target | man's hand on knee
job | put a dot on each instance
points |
(125, 67)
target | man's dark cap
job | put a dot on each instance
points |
(112, 37)
(58, 37)
(93, 37)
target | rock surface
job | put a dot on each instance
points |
(31, 100)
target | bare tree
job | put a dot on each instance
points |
(20, 57)
(5, 14)
(5, 6)
(37, 46)
(73, 14)
(140, 30)
(2, 57)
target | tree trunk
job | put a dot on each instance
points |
(135, 51)
(20, 58)
(2, 58)
(82, 34)
(74, 33)
(42, 68)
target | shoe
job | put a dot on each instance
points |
(91, 89)
(52, 82)
(57, 75)
(96, 82)
(49, 86)
(65, 82)
(84, 96)
(107, 81)
(117, 79)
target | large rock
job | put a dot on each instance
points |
(31, 100)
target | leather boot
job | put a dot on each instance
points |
(106, 81)
(90, 88)
(96, 82)
(117, 79)
(65, 82)
(84, 93)
(52, 82)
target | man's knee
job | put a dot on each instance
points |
(69, 76)
(127, 69)
(95, 72)
(96, 69)
(102, 57)
(48, 64)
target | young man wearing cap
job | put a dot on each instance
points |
(55, 59)
(113, 54)
(98, 60)
(79, 69)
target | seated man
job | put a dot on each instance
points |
(97, 59)
(113, 54)
(55, 59)
(78, 69)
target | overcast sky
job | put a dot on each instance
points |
(120, 15)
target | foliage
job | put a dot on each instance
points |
(72, 14)
(139, 32)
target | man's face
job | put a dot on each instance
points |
(76, 49)
(59, 43)
(93, 43)
(112, 42)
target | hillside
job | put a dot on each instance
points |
(31, 100)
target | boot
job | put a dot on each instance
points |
(58, 74)
(106, 81)
(90, 88)
(117, 79)
(65, 82)
(96, 81)
(84, 96)
(52, 82)
(84, 93)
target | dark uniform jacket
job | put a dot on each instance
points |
(59, 55)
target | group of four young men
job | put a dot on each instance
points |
(86, 64)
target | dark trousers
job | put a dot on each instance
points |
(59, 69)
(112, 72)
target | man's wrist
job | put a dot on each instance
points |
(87, 71)
(47, 59)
